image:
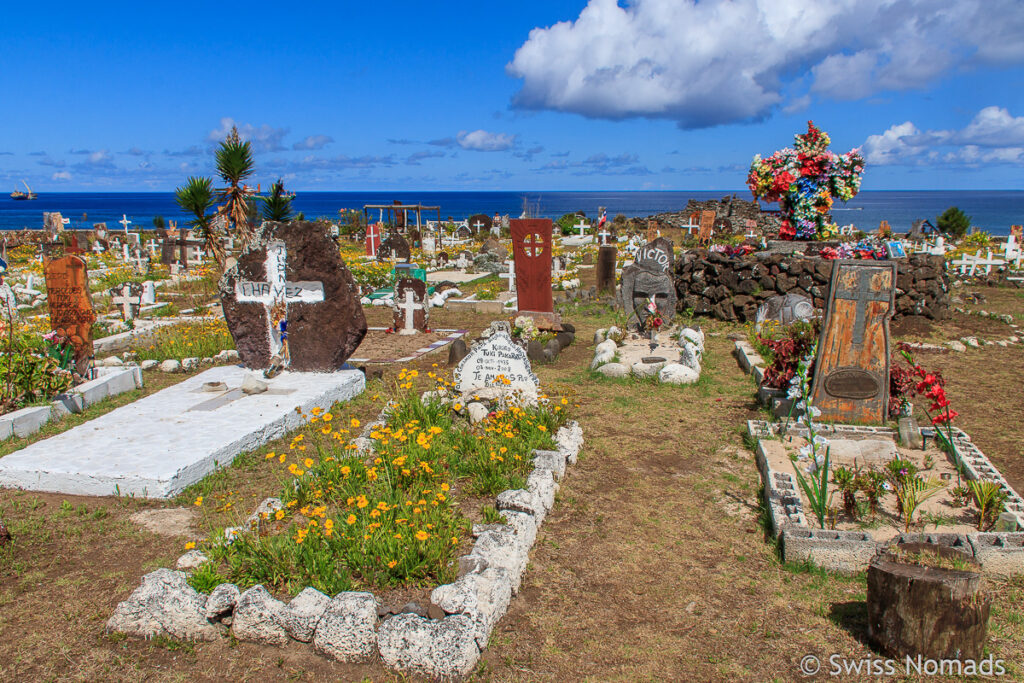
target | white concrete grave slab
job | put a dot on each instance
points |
(158, 445)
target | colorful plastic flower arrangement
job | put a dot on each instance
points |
(865, 250)
(804, 181)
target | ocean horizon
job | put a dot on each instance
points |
(991, 210)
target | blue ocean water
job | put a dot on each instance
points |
(991, 210)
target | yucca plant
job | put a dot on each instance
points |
(234, 165)
(990, 499)
(196, 197)
(913, 491)
(278, 206)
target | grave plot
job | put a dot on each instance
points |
(364, 519)
(382, 345)
(838, 492)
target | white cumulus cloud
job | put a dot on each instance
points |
(264, 138)
(993, 136)
(482, 141)
(723, 61)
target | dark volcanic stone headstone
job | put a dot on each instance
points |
(419, 315)
(70, 304)
(638, 286)
(321, 334)
(457, 352)
(606, 269)
(397, 244)
(534, 351)
(656, 255)
(489, 245)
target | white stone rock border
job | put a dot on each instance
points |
(999, 553)
(111, 382)
(680, 372)
(346, 628)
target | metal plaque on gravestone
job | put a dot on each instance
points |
(70, 304)
(606, 269)
(290, 296)
(127, 298)
(497, 356)
(397, 245)
(480, 224)
(531, 249)
(851, 371)
(656, 255)
(410, 307)
(639, 286)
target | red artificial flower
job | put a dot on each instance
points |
(943, 418)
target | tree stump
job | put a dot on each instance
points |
(927, 600)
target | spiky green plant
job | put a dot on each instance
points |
(234, 165)
(196, 197)
(278, 206)
(990, 499)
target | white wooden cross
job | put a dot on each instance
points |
(277, 291)
(479, 224)
(97, 248)
(511, 275)
(987, 262)
(751, 235)
(125, 254)
(151, 247)
(582, 225)
(126, 301)
(604, 235)
(125, 222)
(409, 306)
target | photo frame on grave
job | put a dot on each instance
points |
(895, 250)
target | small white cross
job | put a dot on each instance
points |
(511, 275)
(409, 306)
(751, 235)
(276, 291)
(479, 224)
(124, 221)
(582, 225)
(604, 235)
(126, 302)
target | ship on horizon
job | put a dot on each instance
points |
(18, 194)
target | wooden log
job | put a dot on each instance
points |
(932, 611)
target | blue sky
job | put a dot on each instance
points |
(553, 95)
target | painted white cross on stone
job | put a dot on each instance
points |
(582, 225)
(276, 294)
(604, 235)
(126, 301)
(125, 222)
(371, 238)
(479, 224)
(409, 306)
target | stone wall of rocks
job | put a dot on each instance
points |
(736, 210)
(731, 289)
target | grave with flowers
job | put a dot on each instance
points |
(439, 498)
(846, 469)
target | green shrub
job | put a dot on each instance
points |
(953, 222)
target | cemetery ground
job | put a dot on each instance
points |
(653, 564)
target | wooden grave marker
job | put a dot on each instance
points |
(531, 250)
(71, 313)
(707, 227)
(851, 371)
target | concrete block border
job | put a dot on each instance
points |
(849, 552)
(111, 382)
(444, 643)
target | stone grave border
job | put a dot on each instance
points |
(454, 334)
(349, 628)
(110, 382)
(849, 552)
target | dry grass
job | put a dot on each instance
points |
(654, 564)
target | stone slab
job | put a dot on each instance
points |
(456, 276)
(25, 421)
(158, 445)
(110, 384)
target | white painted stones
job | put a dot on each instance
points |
(439, 649)
(301, 616)
(164, 605)
(668, 362)
(258, 617)
(346, 631)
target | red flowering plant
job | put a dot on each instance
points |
(786, 352)
(931, 385)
